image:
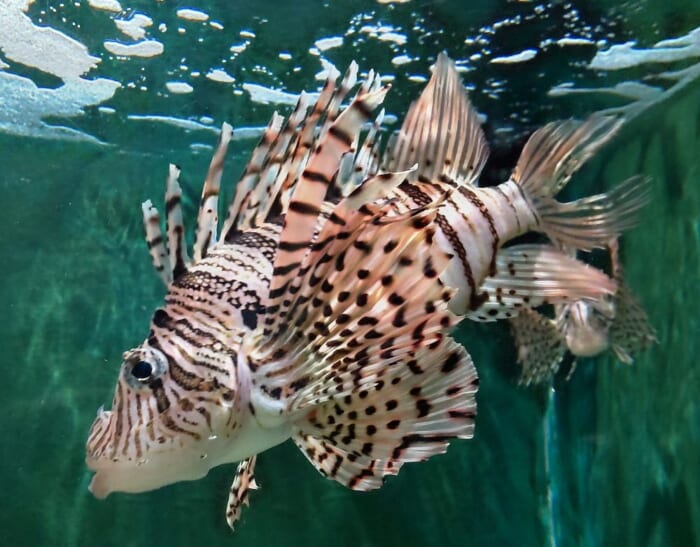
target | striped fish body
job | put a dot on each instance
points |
(322, 309)
(471, 225)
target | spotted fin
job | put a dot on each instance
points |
(361, 358)
(243, 483)
(530, 275)
(441, 132)
(208, 217)
(630, 331)
(541, 346)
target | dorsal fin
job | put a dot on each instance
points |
(208, 216)
(309, 137)
(251, 176)
(441, 132)
(155, 242)
(301, 218)
(177, 246)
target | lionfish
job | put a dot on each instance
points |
(583, 328)
(322, 308)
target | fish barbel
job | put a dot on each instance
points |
(322, 307)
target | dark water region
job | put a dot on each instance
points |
(609, 457)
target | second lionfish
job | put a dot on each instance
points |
(321, 309)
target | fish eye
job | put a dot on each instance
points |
(142, 370)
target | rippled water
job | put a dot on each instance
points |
(87, 128)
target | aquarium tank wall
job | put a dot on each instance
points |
(98, 97)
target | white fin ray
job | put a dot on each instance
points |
(275, 166)
(556, 151)
(530, 275)
(375, 188)
(441, 132)
(251, 176)
(155, 241)
(301, 218)
(348, 82)
(592, 221)
(208, 217)
(177, 246)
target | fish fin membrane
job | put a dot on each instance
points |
(630, 332)
(441, 132)
(549, 159)
(401, 410)
(243, 483)
(530, 275)
(362, 328)
(207, 230)
(540, 346)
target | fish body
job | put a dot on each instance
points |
(583, 328)
(321, 308)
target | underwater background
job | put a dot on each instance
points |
(98, 96)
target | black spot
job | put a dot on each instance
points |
(396, 299)
(250, 319)
(393, 424)
(362, 274)
(423, 407)
(392, 404)
(451, 362)
(370, 410)
(371, 429)
(368, 320)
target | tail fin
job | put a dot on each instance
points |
(549, 159)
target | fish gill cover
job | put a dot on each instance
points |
(96, 97)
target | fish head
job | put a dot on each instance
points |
(171, 420)
(586, 326)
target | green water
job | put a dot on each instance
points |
(611, 457)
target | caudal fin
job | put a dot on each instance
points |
(549, 159)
